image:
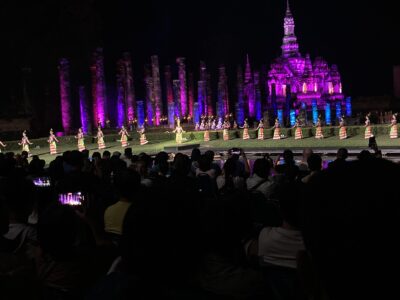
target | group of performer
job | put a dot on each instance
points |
(210, 124)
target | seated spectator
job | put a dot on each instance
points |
(260, 180)
(106, 154)
(214, 165)
(204, 167)
(127, 183)
(194, 158)
(315, 165)
(228, 181)
(340, 161)
(289, 169)
(279, 246)
(303, 165)
(127, 157)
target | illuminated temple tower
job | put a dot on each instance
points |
(295, 82)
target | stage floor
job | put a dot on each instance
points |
(328, 146)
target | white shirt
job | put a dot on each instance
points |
(238, 182)
(265, 188)
(279, 246)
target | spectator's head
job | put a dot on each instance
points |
(57, 230)
(350, 231)
(181, 165)
(306, 153)
(204, 163)
(230, 167)
(161, 157)
(342, 154)
(75, 160)
(116, 154)
(210, 154)
(106, 154)
(364, 155)
(262, 168)
(127, 183)
(128, 152)
(85, 154)
(289, 201)
(96, 156)
(195, 154)
(314, 162)
(288, 157)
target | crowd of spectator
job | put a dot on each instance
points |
(180, 227)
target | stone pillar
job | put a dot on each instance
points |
(65, 95)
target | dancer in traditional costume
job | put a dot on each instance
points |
(202, 124)
(298, 135)
(225, 133)
(207, 134)
(260, 129)
(220, 124)
(81, 140)
(124, 137)
(277, 130)
(197, 127)
(342, 129)
(52, 142)
(368, 129)
(25, 142)
(235, 125)
(179, 132)
(2, 145)
(318, 131)
(246, 135)
(143, 140)
(393, 127)
(100, 139)
(213, 125)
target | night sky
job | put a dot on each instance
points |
(362, 39)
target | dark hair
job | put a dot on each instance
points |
(288, 156)
(210, 154)
(195, 154)
(106, 154)
(342, 153)
(128, 152)
(314, 162)
(127, 183)
(262, 167)
(204, 163)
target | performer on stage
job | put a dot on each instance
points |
(25, 142)
(202, 124)
(143, 140)
(235, 125)
(219, 125)
(226, 127)
(81, 140)
(368, 129)
(52, 142)
(213, 125)
(260, 129)
(342, 129)
(277, 130)
(318, 131)
(2, 145)
(197, 127)
(206, 133)
(179, 132)
(100, 138)
(393, 127)
(246, 130)
(124, 137)
(299, 132)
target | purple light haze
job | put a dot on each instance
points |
(182, 79)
